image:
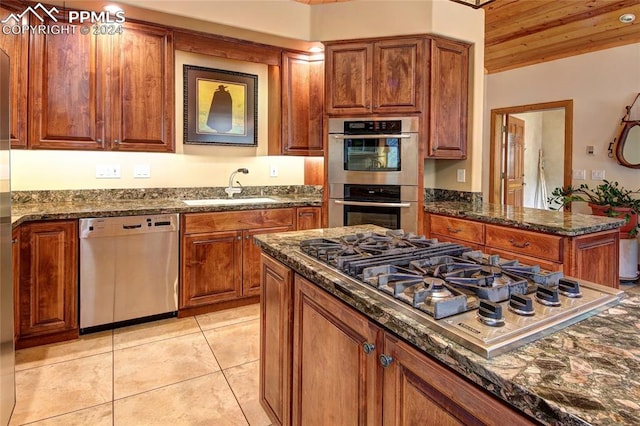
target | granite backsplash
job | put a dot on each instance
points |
(61, 196)
(433, 194)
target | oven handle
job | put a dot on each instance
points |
(371, 204)
(380, 136)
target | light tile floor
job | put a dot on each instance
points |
(199, 370)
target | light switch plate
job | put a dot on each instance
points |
(461, 175)
(273, 170)
(579, 174)
(108, 171)
(141, 171)
(597, 174)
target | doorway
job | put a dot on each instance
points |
(531, 152)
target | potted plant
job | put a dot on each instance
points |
(607, 199)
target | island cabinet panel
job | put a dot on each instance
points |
(276, 334)
(219, 263)
(17, 47)
(448, 99)
(102, 92)
(418, 390)
(342, 368)
(595, 257)
(382, 76)
(591, 257)
(46, 299)
(335, 380)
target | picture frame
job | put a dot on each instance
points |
(220, 107)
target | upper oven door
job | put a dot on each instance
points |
(373, 159)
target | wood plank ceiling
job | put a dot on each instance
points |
(526, 32)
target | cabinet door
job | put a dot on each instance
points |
(397, 75)
(67, 90)
(140, 110)
(348, 78)
(15, 268)
(17, 47)
(302, 104)
(48, 279)
(594, 257)
(308, 218)
(251, 259)
(448, 99)
(334, 381)
(211, 268)
(420, 391)
(276, 308)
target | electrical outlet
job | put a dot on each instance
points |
(579, 174)
(141, 171)
(461, 175)
(108, 171)
(597, 174)
(273, 170)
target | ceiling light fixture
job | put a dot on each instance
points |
(627, 18)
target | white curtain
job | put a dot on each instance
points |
(540, 197)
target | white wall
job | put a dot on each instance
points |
(601, 84)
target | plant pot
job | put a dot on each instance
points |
(623, 212)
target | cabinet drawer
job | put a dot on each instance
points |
(194, 223)
(447, 238)
(526, 260)
(459, 229)
(533, 244)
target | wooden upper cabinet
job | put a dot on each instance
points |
(348, 72)
(375, 77)
(302, 103)
(397, 75)
(142, 99)
(106, 92)
(17, 47)
(448, 99)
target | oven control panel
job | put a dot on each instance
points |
(370, 127)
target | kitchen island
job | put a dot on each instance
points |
(586, 373)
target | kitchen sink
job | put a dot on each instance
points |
(227, 201)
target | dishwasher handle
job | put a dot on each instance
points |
(131, 226)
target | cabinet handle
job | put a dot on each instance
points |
(116, 141)
(453, 230)
(302, 214)
(385, 360)
(518, 245)
(368, 347)
(367, 106)
(14, 240)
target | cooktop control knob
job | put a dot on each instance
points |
(521, 305)
(490, 313)
(547, 296)
(569, 287)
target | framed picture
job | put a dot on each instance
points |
(220, 107)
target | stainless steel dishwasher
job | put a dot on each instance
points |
(128, 270)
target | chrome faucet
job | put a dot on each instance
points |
(233, 189)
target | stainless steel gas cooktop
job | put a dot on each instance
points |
(483, 302)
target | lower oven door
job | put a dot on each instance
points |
(401, 215)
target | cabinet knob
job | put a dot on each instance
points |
(239, 237)
(368, 347)
(99, 140)
(385, 360)
(246, 237)
(116, 141)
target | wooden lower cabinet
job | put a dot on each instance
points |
(219, 262)
(308, 218)
(579, 256)
(46, 298)
(276, 330)
(322, 362)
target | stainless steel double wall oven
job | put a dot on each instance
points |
(373, 172)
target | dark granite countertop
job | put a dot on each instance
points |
(549, 221)
(587, 373)
(50, 210)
